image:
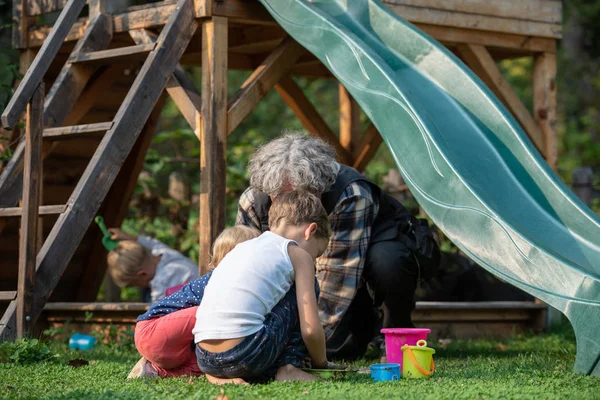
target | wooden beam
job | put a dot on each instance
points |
(310, 118)
(243, 11)
(32, 190)
(20, 10)
(88, 98)
(213, 141)
(99, 175)
(544, 103)
(252, 39)
(532, 10)
(43, 210)
(482, 63)
(71, 81)
(272, 69)
(474, 21)
(100, 6)
(518, 44)
(349, 120)
(367, 148)
(119, 55)
(116, 205)
(40, 65)
(75, 131)
(180, 87)
(8, 295)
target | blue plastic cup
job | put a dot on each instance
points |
(385, 372)
(80, 341)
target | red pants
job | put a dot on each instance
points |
(167, 343)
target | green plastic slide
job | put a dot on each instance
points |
(463, 156)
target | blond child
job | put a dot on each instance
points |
(163, 335)
(258, 318)
(148, 263)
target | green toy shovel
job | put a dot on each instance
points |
(107, 242)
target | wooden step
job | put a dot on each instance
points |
(76, 131)
(8, 295)
(44, 210)
(113, 56)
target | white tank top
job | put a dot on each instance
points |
(244, 288)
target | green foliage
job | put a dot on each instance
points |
(25, 351)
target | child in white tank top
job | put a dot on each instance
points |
(260, 308)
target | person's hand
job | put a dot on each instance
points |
(118, 234)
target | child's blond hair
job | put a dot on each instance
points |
(230, 238)
(125, 261)
(299, 207)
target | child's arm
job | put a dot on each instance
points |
(310, 324)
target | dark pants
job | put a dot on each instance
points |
(391, 274)
(258, 357)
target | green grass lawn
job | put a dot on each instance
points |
(529, 367)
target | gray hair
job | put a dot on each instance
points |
(293, 161)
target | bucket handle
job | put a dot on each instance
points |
(412, 359)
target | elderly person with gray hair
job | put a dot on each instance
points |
(377, 251)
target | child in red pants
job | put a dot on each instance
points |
(163, 335)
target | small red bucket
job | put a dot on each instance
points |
(395, 338)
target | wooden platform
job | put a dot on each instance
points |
(456, 320)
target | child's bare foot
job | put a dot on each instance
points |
(224, 381)
(290, 373)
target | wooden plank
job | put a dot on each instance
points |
(243, 11)
(349, 120)
(531, 10)
(75, 131)
(20, 24)
(473, 21)
(119, 55)
(310, 118)
(153, 15)
(262, 80)
(116, 205)
(544, 103)
(180, 87)
(253, 38)
(72, 80)
(203, 8)
(32, 190)
(517, 44)
(43, 210)
(481, 62)
(70, 227)
(213, 140)
(40, 65)
(8, 295)
(367, 148)
(100, 7)
(88, 98)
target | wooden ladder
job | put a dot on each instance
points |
(40, 271)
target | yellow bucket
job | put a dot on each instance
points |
(417, 360)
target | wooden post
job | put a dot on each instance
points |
(349, 120)
(544, 103)
(20, 22)
(32, 185)
(99, 7)
(213, 140)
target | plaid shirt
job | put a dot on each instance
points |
(340, 268)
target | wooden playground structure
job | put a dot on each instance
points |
(98, 74)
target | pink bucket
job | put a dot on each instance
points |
(395, 338)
